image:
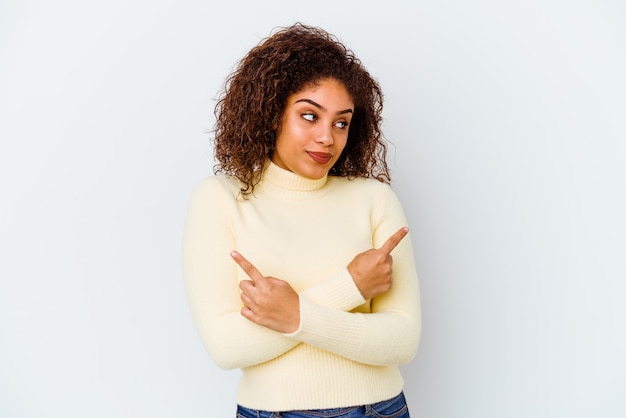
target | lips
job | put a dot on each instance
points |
(320, 157)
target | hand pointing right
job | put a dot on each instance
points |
(371, 270)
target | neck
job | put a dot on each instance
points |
(291, 185)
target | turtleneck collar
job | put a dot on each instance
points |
(291, 184)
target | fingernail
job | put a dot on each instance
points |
(234, 254)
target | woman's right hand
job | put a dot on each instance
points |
(371, 270)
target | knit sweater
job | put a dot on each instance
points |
(346, 350)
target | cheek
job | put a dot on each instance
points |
(341, 144)
(281, 147)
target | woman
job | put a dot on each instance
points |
(287, 249)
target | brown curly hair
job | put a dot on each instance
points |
(255, 95)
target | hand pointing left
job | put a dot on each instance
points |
(267, 301)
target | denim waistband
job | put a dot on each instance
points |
(395, 407)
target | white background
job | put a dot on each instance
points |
(508, 120)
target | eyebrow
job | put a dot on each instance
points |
(322, 108)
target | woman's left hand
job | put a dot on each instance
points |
(268, 301)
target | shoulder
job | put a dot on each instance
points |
(216, 187)
(366, 188)
(379, 197)
(212, 199)
(366, 195)
(214, 194)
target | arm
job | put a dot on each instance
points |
(387, 335)
(368, 275)
(274, 304)
(213, 291)
(212, 288)
(390, 333)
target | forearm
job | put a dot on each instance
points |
(338, 292)
(234, 342)
(230, 339)
(380, 338)
(389, 334)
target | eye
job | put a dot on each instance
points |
(311, 117)
(341, 124)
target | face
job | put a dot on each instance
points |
(313, 129)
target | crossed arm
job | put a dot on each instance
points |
(274, 318)
(272, 302)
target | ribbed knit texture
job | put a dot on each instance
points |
(346, 350)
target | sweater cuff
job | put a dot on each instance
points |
(338, 291)
(324, 328)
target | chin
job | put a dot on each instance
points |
(313, 174)
(313, 177)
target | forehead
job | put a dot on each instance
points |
(331, 92)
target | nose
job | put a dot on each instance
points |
(325, 136)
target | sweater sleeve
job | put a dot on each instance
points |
(213, 290)
(338, 291)
(390, 333)
(212, 287)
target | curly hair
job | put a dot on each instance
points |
(249, 109)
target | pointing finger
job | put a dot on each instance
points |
(247, 266)
(394, 240)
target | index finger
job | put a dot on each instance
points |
(394, 240)
(247, 266)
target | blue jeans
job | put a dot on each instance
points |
(393, 408)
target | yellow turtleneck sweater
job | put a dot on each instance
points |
(347, 350)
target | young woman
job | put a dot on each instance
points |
(287, 250)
